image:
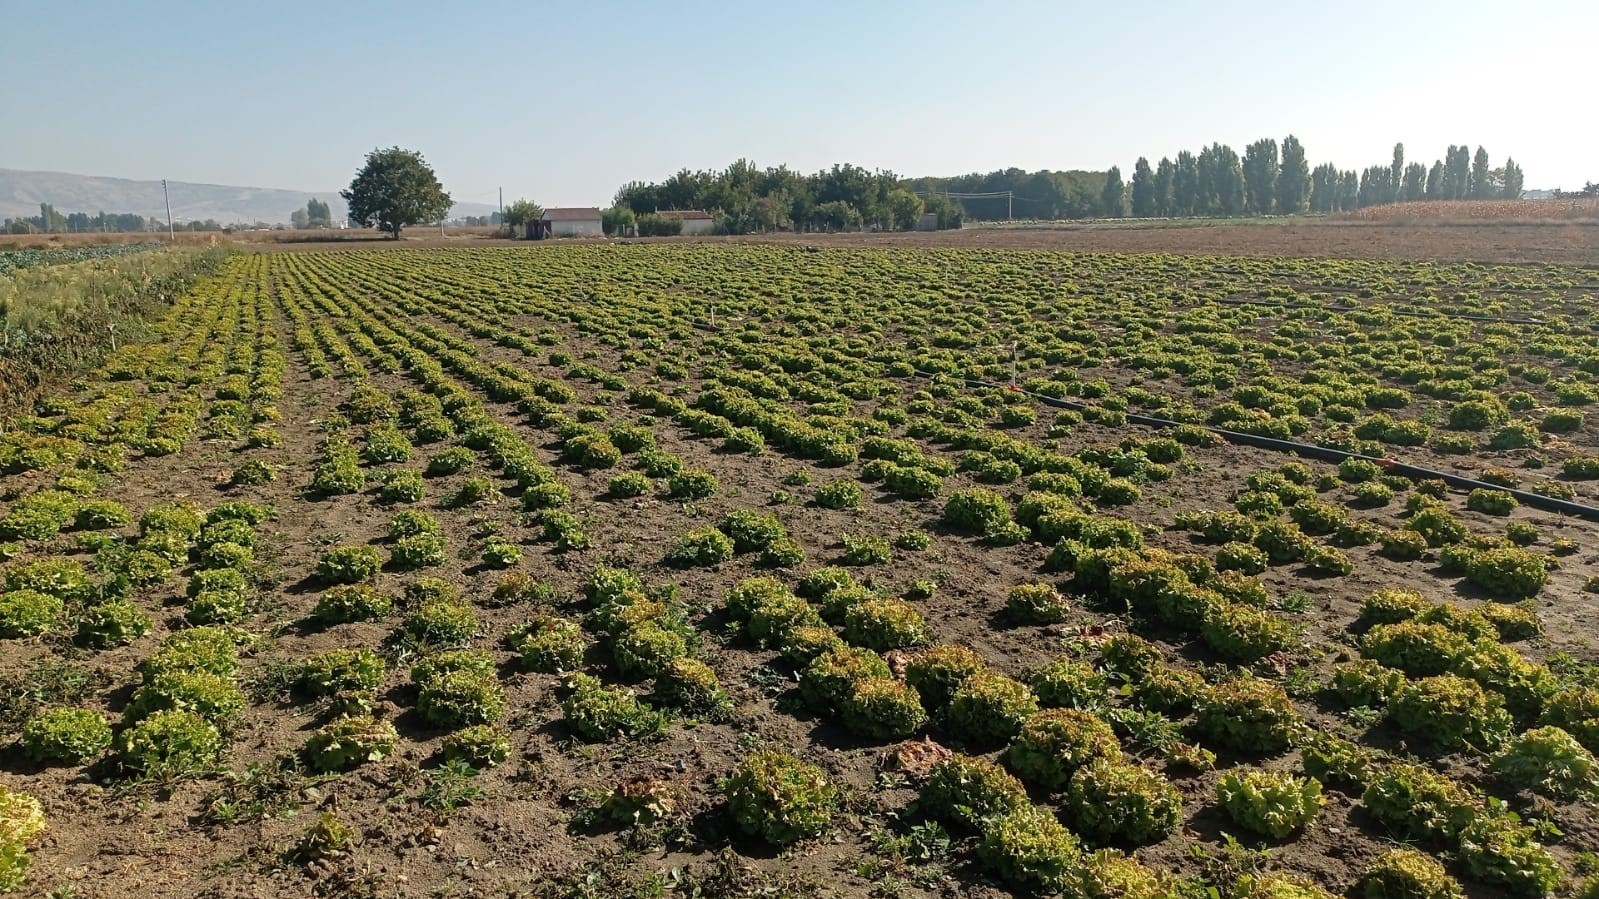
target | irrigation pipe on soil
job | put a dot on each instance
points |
(1293, 447)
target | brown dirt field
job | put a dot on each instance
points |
(1562, 242)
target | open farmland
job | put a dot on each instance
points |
(702, 569)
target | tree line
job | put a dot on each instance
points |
(744, 199)
(1273, 179)
(1268, 178)
(49, 221)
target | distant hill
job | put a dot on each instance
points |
(22, 192)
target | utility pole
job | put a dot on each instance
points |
(168, 198)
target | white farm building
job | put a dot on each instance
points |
(694, 221)
(573, 221)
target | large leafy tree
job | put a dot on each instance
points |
(393, 189)
(521, 212)
(1293, 178)
(1482, 186)
(1112, 198)
(1260, 176)
(1144, 200)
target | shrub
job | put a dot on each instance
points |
(341, 670)
(644, 649)
(1067, 683)
(349, 564)
(403, 486)
(1365, 683)
(691, 685)
(1449, 712)
(700, 548)
(937, 672)
(830, 678)
(691, 484)
(1407, 874)
(989, 708)
(1417, 649)
(628, 485)
(597, 712)
(1031, 851)
(418, 551)
(1550, 761)
(441, 622)
(1575, 709)
(1501, 852)
(1036, 604)
(1054, 743)
(973, 510)
(779, 798)
(839, 495)
(1491, 502)
(1436, 526)
(966, 790)
(21, 819)
(1414, 803)
(1112, 801)
(170, 743)
(1507, 572)
(28, 613)
(884, 624)
(115, 622)
(1247, 715)
(1242, 633)
(549, 644)
(883, 709)
(498, 553)
(448, 462)
(481, 746)
(211, 696)
(66, 735)
(1269, 803)
(351, 602)
(348, 742)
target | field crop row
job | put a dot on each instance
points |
(628, 570)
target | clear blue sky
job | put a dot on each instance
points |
(564, 101)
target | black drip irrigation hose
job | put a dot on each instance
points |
(1243, 301)
(1323, 453)
(1292, 447)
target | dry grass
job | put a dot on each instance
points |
(1502, 211)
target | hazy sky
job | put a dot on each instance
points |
(564, 101)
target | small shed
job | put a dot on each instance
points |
(572, 221)
(928, 222)
(695, 221)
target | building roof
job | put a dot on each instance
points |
(686, 214)
(572, 214)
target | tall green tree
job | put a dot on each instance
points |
(1185, 185)
(904, 209)
(1293, 178)
(522, 211)
(1482, 186)
(1221, 180)
(1113, 199)
(1349, 192)
(1260, 176)
(1143, 189)
(395, 188)
(1324, 188)
(1165, 184)
(1435, 181)
(1511, 189)
(1396, 174)
(1457, 172)
(317, 214)
(1415, 186)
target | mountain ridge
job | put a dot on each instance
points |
(21, 192)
